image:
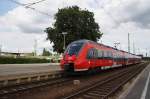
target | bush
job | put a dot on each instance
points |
(19, 60)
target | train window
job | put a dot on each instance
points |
(114, 55)
(109, 54)
(105, 54)
(74, 48)
(95, 53)
(100, 54)
(90, 54)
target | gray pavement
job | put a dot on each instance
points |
(148, 92)
(140, 89)
(17, 69)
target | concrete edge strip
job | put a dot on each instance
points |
(24, 75)
(146, 87)
(30, 78)
(125, 93)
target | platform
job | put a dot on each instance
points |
(140, 88)
(12, 74)
(17, 69)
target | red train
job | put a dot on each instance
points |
(83, 55)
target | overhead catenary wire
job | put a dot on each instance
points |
(33, 3)
(28, 6)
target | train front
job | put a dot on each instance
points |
(70, 56)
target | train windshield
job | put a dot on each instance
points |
(74, 48)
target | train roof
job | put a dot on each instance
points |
(81, 41)
(87, 41)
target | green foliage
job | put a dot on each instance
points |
(11, 60)
(46, 53)
(79, 24)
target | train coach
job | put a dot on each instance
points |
(85, 55)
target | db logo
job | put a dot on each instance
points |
(69, 58)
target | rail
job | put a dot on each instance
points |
(105, 88)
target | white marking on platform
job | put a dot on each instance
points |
(145, 88)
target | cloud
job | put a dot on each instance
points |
(26, 20)
(116, 18)
(137, 11)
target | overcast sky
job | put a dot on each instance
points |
(20, 27)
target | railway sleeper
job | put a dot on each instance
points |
(99, 92)
(87, 96)
(106, 87)
(105, 90)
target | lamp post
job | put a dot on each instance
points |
(35, 47)
(64, 34)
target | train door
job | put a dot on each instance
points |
(91, 58)
(96, 62)
(100, 58)
(105, 63)
(114, 58)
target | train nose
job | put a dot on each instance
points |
(69, 63)
(71, 58)
(69, 67)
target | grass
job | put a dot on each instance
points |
(21, 60)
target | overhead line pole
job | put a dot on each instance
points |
(146, 52)
(134, 48)
(35, 47)
(115, 20)
(128, 42)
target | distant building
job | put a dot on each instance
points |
(15, 54)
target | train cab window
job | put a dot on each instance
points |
(74, 48)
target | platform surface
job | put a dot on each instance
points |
(19, 69)
(140, 88)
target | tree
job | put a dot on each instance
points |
(79, 24)
(46, 53)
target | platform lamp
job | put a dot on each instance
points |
(64, 34)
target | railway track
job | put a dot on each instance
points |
(105, 88)
(23, 87)
(102, 89)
